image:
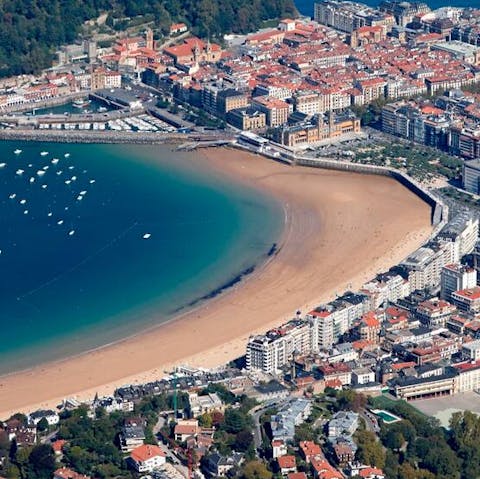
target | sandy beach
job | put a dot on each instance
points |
(340, 230)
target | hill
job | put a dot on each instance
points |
(31, 30)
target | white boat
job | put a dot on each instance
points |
(20, 172)
(71, 167)
(83, 192)
(74, 178)
(59, 172)
(92, 182)
(22, 202)
(67, 182)
(79, 198)
(66, 155)
(44, 186)
(43, 153)
(60, 222)
(50, 213)
(147, 235)
(40, 172)
(30, 165)
(25, 212)
(55, 161)
(32, 179)
(17, 151)
(3, 165)
(45, 168)
(12, 196)
(71, 232)
(81, 103)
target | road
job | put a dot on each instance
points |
(168, 452)
(370, 421)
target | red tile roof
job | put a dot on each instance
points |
(287, 462)
(146, 451)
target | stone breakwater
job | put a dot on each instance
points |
(104, 136)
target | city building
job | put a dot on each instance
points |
(276, 111)
(471, 176)
(467, 300)
(471, 350)
(275, 349)
(434, 313)
(455, 277)
(247, 119)
(204, 404)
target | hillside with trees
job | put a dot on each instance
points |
(31, 30)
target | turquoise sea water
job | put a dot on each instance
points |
(76, 271)
(305, 7)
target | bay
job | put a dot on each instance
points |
(111, 239)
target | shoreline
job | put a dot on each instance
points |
(287, 280)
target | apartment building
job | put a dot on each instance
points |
(247, 119)
(276, 111)
(425, 264)
(275, 349)
(467, 300)
(454, 277)
(434, 313)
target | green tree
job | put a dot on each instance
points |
(370, 451)
(256, 470)
(234, 421)
(41, 462)
(243, 440)
(42, 425)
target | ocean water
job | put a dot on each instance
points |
(69, 108)
(305, 7)
(77, 268)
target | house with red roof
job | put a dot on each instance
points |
(146, 458)
(322, 469)
(297, 475)
(67, 473)
(287, 464)
(309, 450)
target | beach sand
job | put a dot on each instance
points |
(341, 229)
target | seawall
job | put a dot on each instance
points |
(439, 216)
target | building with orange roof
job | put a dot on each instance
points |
(146, 458)
(58, 445)
(365, 472)
(276, 111)
(287, 464)
(467, 300)
(67, 473)
(176, 28)
(193, 50)
(324, 470)
(435, 312)
(186, 428)
(309, 450)
(369, 328)
(336, 371)
(297, 475)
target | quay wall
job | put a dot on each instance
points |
(439, 216)
(49, 102)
